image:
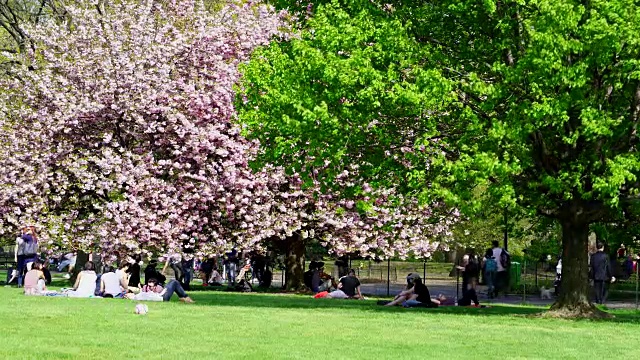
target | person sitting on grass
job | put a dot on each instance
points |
(470, 274)
(348, 287)
(155, 292)
(112, 285)
(308, 275)
(85, 285)
(34, 281)
(442, 300)
(151, 272)
(216, 278)
(206, 268)
(417, 294)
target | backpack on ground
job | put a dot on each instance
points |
(505, 259)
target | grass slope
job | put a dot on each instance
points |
(269, 326)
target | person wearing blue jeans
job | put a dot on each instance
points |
(26, 251)
(68, 262)
(175, 287)
(232, 268)
(490, 266)
(21, 265)
(157, 290)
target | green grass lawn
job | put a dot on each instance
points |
(270, 326)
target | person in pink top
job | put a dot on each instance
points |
(34, 281)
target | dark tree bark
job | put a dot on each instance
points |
(575, 299)
(294, 263)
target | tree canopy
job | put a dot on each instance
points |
(535, 101)
(117, 128)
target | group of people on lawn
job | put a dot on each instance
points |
(112, 283)
(348, 287)
(124, 282)
(494, 266)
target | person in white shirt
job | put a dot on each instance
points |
(85, 285)
(112, 284)
(69, 263)
(502, 276)
(155, 292)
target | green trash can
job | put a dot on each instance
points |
(515, 275)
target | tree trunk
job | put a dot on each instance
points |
(294, 263)
(574, 299)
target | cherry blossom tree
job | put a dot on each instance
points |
(117, 129)
(119, 136)
(372, 222)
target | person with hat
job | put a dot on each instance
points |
(417, 294)
(308, 275)
(320, 281)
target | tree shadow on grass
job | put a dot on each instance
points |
(290, 301)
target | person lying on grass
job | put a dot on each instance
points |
(155, 292)
(417, 294)
(442, 300)
(348, 287)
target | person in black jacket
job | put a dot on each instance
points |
(470, 274)
(150, 272)
(134, 270)
(600, 272)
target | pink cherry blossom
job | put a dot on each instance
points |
(117, 127)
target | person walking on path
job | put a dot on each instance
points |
(502, 276)
(600, 273)
(490, 265)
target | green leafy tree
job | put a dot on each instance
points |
(547, 112)
(348, 90)
(535, 101)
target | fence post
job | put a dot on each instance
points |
(424, 271)
(388, 275)
(524, 280)
(457, 281)
(637, 275)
